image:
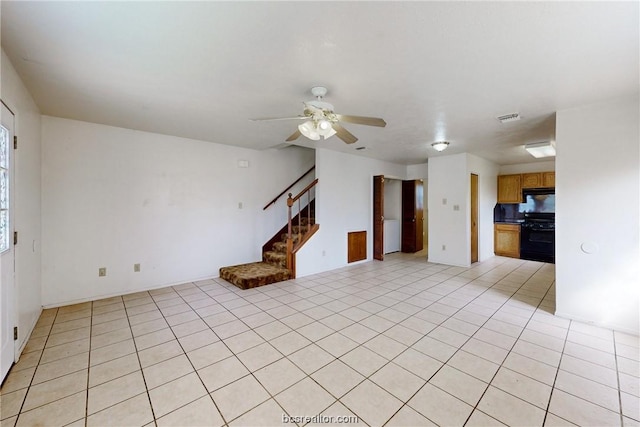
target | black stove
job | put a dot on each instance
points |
(538, 237)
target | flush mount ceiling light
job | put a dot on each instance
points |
(541, 149)
(440, 145)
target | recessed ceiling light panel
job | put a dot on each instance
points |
(541, 149)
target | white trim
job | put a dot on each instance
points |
(115, 294)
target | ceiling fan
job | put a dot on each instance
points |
(321, 121)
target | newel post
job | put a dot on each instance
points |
(289, 234)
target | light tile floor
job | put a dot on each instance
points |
(396, 343)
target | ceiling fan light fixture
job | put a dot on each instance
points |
(440, 145)
(541, 149)
(308, 129)
(328, 133)
(324, 125)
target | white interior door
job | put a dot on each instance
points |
(7, 256)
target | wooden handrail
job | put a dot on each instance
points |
(287, 189)
(290, 200)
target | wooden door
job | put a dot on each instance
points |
(412, 216)
(378, 217)
(474, 218)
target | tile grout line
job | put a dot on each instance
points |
(135, 346)
(241, 362)
(555, 378)
(508, 351)
(511, 349)
(44, 346)
(389, 288)
(615, 357)
(468, 339)
(86, 402)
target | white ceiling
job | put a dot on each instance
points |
(432, 70)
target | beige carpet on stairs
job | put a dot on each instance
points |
(272, 269)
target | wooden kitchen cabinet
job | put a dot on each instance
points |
(532, 180)
(548, 179)
(506, 240)
(510, 188)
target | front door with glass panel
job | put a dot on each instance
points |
(7, 265)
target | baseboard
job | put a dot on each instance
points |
(598, 324)
(23, 344)
(115, 294)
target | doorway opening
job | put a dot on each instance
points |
(399, 220)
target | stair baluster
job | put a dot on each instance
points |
(303, 232)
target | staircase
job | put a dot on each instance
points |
(278, 254)
(273, 267)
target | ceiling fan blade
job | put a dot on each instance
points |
(265, 119)
(359, 120)
(294, 136)
(344, 134)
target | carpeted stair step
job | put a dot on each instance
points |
(247, 276)
(307, 221)
(280, 247)
(276, 258)
(299, 229)
(294, 237)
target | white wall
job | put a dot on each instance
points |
(113, 197)
(540, 166)
(392, 198)
(597, 214)
(449, 178)
(487, 172)
(344, 203)
(27, 200)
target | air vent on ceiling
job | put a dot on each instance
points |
(509, 118)
(360, 148)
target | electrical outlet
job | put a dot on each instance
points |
(456, 207)
(444, 201)
(102, 271)
(444, 247)
(136, 268)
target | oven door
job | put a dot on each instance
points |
(538, 244)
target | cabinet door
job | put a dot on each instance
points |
(532, 180)
(509, 189)
(548, 179)
(356, 246)
(507, 240)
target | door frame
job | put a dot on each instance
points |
(7, 258)
(378, 217)
(474, 250)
